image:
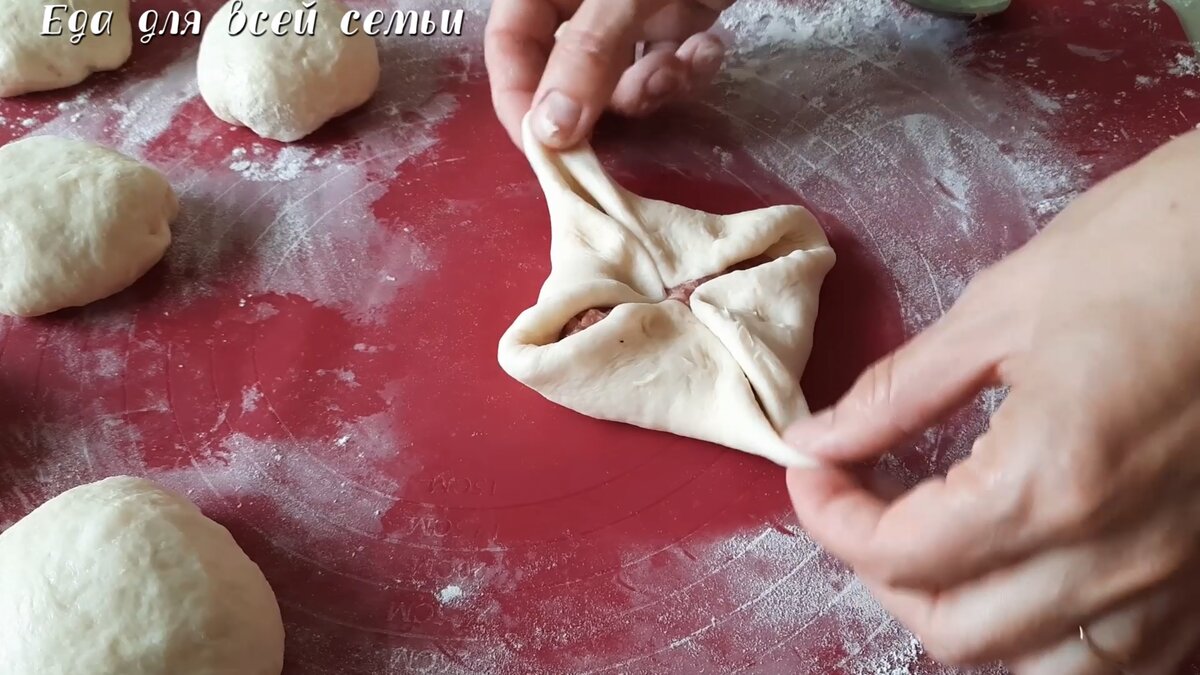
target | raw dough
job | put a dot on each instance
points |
(78, 223)
(30, 62)
(632, 326)
(285, 88)
(122, 577)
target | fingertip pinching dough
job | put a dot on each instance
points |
(78, 223)
(32, 62)
(123, 577)
(669, 318)
(286, 87)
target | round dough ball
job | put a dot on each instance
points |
(30, 62)
(285, 88)
(78, 223)
(122, 577)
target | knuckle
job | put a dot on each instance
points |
(1080, 500)
(948, 650)
(1079, 491)
(1077, 503)
(885, 569)
(1011, 495)
(952, 641)
(877, 392)
(629, 107)
(884, 381)
(1164, 564)
(586, 43)
(877, 383)
(988, 294)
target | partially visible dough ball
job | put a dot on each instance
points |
(30, 62)
(122, 577)
(285, 88)
(78, 223)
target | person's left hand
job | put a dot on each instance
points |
(570, 60)
(1080, 507)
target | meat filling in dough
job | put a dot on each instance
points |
(681, 293)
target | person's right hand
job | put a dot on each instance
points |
(1069, 540)
(570, 60)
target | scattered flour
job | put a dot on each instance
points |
(146, 108)
(896, 663)
(250, 397)
(865, 109)
(288, 164)
(449, 594)
(859, 105)
(269, 220)
(1185, 64)
(1043, 102)
(311, 230)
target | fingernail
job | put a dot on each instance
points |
(723, 35)
(662, 84)
(557, 117)
(709, 55)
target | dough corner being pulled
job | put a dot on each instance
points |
(668, 318)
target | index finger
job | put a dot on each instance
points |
(934, 536)
(517, 44)
(592, 51)
(836, 510)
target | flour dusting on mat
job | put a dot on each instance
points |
(271, 221)
(288, 164)
(1185, 64)
(863, 107)
(449, 594)
(312, 232)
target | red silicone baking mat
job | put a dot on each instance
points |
(314, 363)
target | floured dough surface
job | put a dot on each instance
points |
(123, 577)
(78, 222)
(31, 62)
(286, 87)
(669, 318)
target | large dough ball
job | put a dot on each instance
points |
(122, 577)
(285, 88)
(78, 223)
(30, 62)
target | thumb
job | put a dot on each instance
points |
(903, 393)
(591, 52)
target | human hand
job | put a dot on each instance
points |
(591, 65)
(1081, 504)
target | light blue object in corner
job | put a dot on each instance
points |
(967, 7)
(1188, 12)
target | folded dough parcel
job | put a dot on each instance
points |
(669, 318)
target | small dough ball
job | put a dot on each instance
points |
(78, 223)
(30, 62)
(285, 88)
(122, 577)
